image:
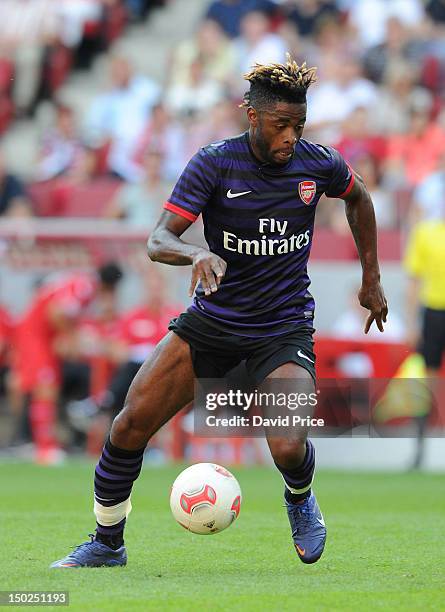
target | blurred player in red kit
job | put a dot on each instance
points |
(140, 330)
(36, 364)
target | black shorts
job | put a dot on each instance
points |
(216, 352)
(433, 337)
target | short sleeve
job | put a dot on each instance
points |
(342, 176)
(413, 260)
(194, 187)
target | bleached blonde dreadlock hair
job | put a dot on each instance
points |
(269, 83)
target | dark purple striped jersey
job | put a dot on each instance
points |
(259, 218)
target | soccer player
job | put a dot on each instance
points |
(36, 362)
(257, 193)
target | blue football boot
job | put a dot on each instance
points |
(93, 554)
(308, 528)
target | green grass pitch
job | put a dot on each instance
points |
(385, 548)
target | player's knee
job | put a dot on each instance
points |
(288, 454)
(130, 429)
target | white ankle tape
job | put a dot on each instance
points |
(111, 515)
(297, 491)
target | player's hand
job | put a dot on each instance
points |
(209, 269)
(372, 297)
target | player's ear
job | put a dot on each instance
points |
(252, 116)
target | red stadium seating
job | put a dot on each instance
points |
(60, 198)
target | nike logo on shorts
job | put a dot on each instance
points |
(300, 354)
(231, 195)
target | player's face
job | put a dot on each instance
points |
(275, 132)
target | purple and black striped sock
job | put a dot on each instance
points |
(115, 473)
(298, 480)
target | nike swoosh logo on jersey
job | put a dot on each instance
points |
(231, 195)
(300, 354)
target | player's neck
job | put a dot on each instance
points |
(254, 149)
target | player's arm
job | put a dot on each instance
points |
(165, 246)
(361, 219)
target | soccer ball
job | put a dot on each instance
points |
(205, 498)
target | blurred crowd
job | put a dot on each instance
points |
(42, 40)
(379, 100)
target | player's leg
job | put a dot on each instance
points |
(294, 456)
(432, 349)
(36, 372)
(43, 418)
(163, 385)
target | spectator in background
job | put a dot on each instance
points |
(414, 155)
(257, 43)
(384, 204)
(229, 13)
(117, 118)
(139, 9)
(370, 17)
(436, 10)
(209, 45)
(14, 201)
(223, 120)
(26, 28)
(383, 200)
(429, 196)
(61, 147)
(343, 90)
(74, 15)
(140, 204)
(332, 38)
(196, 94)
(306, 15)
(163, 133)
(398, 94)
(397, 46)
(356, 139)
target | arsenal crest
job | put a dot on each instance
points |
(307, 190)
